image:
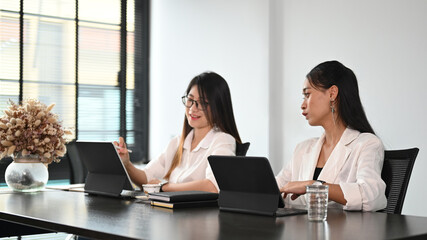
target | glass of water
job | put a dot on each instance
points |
(317, 202)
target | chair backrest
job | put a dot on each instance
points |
(396, 173)
(78, 170)
(4, 163)
(242, 148)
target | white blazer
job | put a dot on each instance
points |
(355, 164)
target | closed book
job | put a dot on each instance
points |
(183, 196)
(192, 204)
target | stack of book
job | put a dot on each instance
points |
(184, 199)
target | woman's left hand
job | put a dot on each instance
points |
(296, 188)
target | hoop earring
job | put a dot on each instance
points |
(333, 111)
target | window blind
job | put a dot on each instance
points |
(72, 55)
(9, 52)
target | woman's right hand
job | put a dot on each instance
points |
(137, 176)
(123, 151)
(296, 188)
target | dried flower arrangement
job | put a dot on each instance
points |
(31, 128)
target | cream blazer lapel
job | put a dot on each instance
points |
(338, 157)
(309, 160)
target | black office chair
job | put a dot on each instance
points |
(242, 148)
(396, 173)
(78, 170)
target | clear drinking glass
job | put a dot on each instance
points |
(317, 202)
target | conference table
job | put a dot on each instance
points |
(101, 217)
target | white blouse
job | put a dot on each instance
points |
(194, 164)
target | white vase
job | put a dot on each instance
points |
(26, 174)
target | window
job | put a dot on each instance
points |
(88, 57)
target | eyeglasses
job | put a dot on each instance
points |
(188, 102)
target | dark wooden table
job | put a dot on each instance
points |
(110, 218)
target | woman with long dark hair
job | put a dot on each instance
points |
(209, 129)
(348, 156)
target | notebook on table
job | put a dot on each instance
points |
(184, 199)
(183, 196)
(106, 173)
(248, 185)
(193, 204)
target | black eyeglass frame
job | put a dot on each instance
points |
(202, 104)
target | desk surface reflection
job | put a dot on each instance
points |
(110, 218)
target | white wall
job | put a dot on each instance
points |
(264, 50)
(228, 37)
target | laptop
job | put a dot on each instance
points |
(106, 173)
(248, 185)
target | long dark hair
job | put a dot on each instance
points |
(350, 109)
(213, 89)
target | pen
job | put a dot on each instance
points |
(117, 147)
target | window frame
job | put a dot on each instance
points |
(141, 74)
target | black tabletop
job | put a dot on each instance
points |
(111, 218)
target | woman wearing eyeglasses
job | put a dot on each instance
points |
(209, 129)
(348, 156)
